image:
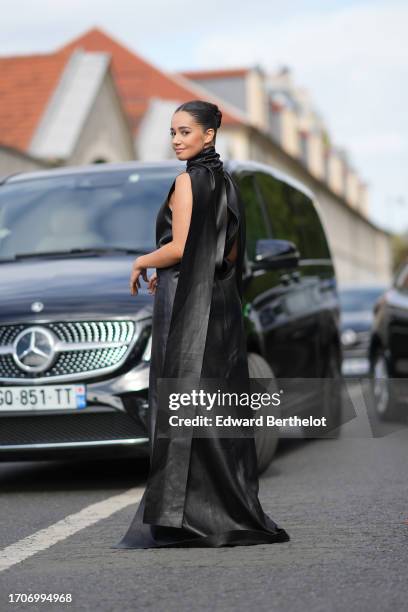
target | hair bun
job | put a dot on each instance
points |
(218, 117)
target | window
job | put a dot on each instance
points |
(293, 217)
(256, 227)
(312, 241)
(279, 211)
(359, 299)
(82, 210)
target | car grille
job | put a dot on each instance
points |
(68, 428)
(82, 348)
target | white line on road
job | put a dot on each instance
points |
(44, 538)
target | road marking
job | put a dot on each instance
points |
(44, 538)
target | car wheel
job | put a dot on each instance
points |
(332, 406)
(382, 395)
(266, 438)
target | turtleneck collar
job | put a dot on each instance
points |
(207, 158)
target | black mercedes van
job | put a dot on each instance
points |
(75, 344)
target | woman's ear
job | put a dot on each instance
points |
(210, 135)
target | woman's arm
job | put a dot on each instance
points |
(172, 252)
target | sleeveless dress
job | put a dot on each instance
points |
(221, 505)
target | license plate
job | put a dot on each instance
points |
(43, 397)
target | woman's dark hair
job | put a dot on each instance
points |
(208, 115)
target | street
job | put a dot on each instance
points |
(343, 502)
(191, 196)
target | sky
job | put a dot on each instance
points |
(351, 56)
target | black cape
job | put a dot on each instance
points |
(213, 193)
(201, 491)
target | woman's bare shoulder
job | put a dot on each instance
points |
(182, 189)
(183, 180)
(183, 185)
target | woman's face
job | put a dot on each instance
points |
(188, 136)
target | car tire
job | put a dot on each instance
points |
(381, 391)
(332, 398)
(266, 438)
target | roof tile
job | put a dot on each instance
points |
(27, 83)
(137, 79)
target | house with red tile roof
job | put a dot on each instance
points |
(278, 106)
(63, 109)
(49, 103)
(290, 135)
(150, 96)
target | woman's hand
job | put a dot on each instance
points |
(153, 283)
(137, 270)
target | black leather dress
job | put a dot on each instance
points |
(201, 491)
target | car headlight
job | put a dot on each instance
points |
(348, 337)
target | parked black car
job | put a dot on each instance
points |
(75, 344)
(357, 315)
(389, 350)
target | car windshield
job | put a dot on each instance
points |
(82, 211)
(352, 300)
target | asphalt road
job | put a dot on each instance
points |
(344, 503)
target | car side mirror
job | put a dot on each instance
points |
(271, 253)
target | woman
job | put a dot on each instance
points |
(201, 491)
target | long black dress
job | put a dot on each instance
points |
(201, 491)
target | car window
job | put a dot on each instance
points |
(293, 217)
(256, 227)
(90, 209)
(277, 206)
(362, 298)
(311, 236)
